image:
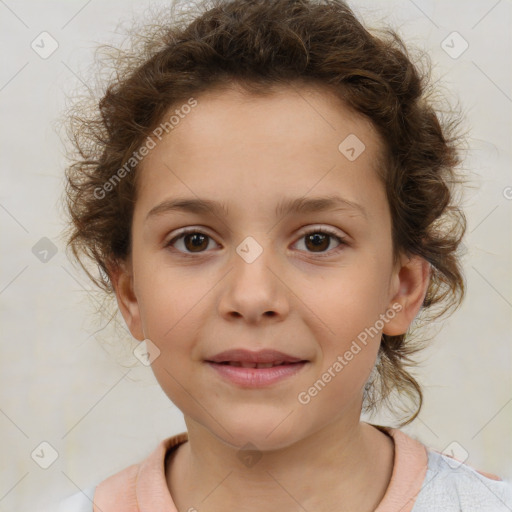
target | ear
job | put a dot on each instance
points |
(121, 277)
(410, 282)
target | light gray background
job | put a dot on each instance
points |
(93, 402)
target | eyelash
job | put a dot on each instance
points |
(323, 231)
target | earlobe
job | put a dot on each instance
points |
(121, 276)
(411, 282)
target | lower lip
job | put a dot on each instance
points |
(256, 377)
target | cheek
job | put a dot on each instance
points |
(170, 305)
(349, 302)
(338, 389)
(172, 311)
(350, 332)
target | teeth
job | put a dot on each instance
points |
(254, 365)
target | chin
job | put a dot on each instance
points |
(265, 432)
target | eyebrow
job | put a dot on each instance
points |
(286, 206)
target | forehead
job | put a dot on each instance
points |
(308, 113)
(238, 144)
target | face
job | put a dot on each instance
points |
(252, 274)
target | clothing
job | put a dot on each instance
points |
(422, 480)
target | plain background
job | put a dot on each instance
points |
(86, 395)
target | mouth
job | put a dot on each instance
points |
(255, 369)
(245, 364)
(249, 359)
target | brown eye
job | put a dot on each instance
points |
(190, 242)
(195, 242)
(317, 241)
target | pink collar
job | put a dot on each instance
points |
(143, 487)
(409, 471)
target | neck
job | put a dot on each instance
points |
(342, 467)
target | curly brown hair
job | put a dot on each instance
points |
(261, 45)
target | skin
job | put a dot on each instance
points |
(249, 152)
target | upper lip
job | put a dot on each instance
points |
(248, 356)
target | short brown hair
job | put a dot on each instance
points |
(260, 45)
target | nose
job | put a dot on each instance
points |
(254, 290)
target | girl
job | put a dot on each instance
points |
(270, 197)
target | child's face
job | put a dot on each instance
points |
(309, 298)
